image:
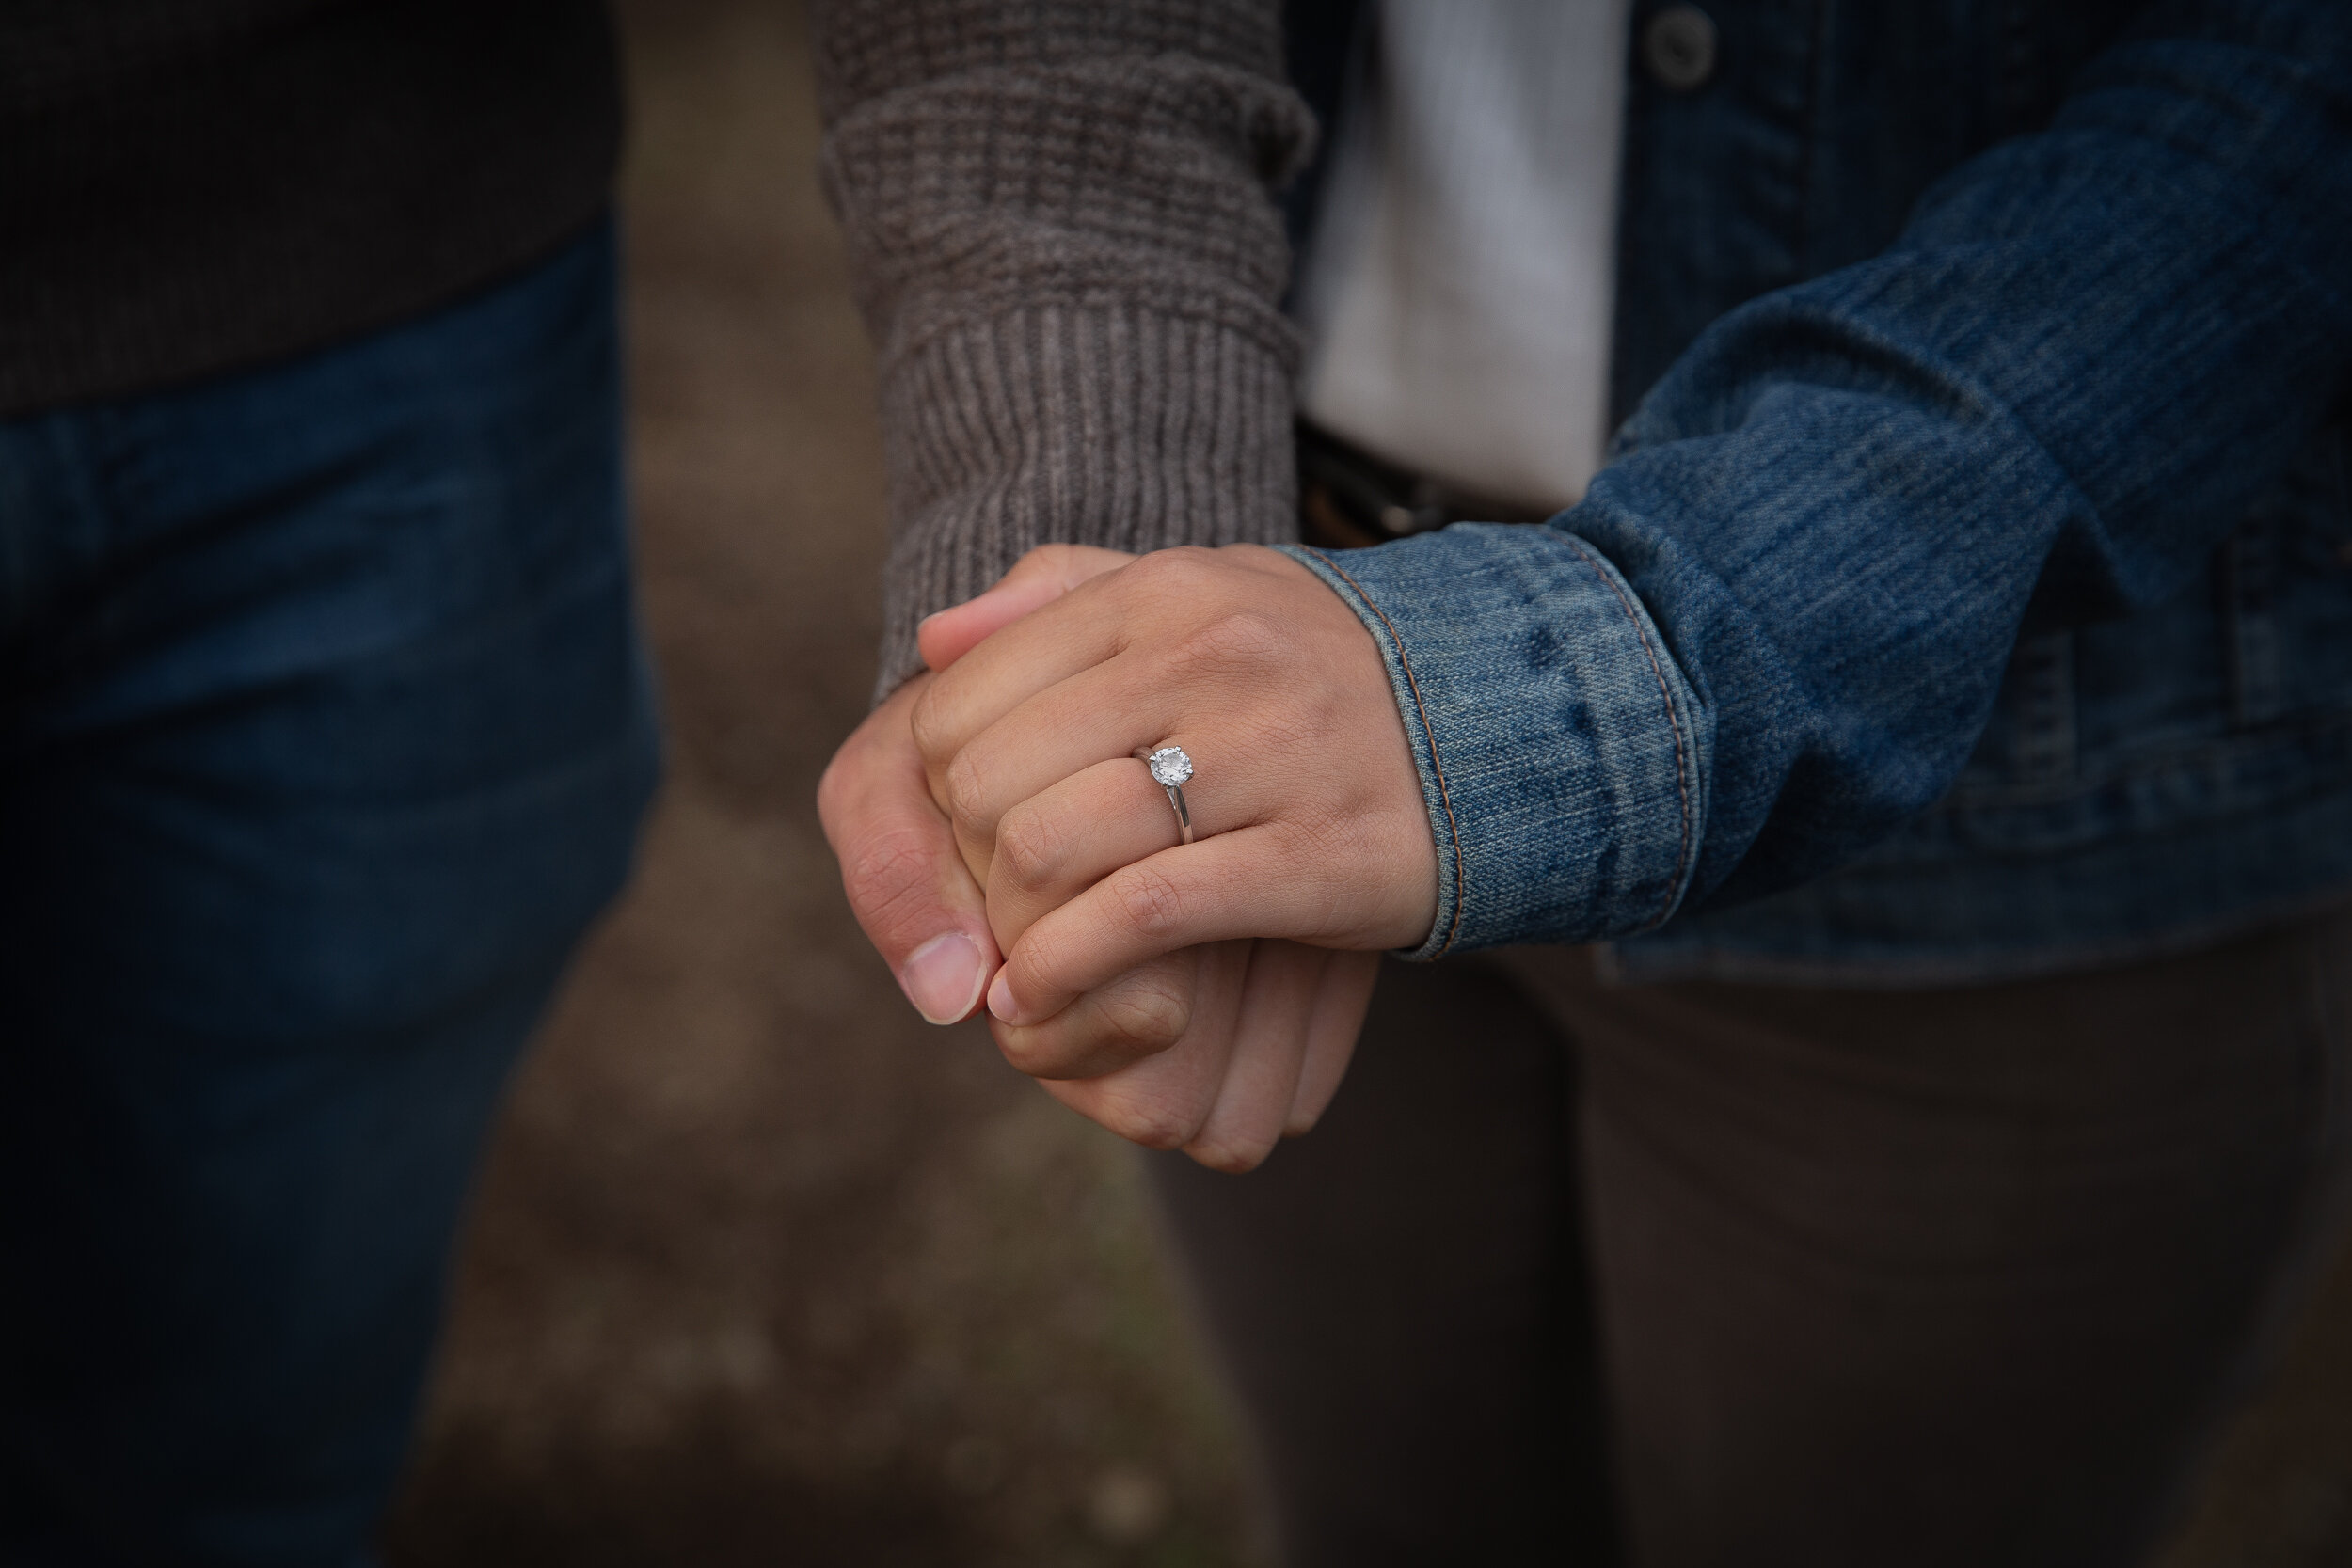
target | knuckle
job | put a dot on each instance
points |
(1044, 1067)
(1039, 958)
(967, 797)
(1033, 1050)
(1232, 1158)
(1169, 568)
(928, 724)
(1151, 1120)
(1031, 849)
(1150, 901)
(1142, 1017)
(1235, 642)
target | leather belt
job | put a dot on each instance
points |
(1348, 498)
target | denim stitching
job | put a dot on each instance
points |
(1436, 764)
(1673, 722)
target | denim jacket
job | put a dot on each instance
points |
(1969, 593)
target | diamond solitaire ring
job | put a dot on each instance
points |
(1171, 770)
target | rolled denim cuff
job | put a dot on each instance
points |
(1562, 752)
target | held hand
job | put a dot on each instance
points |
(1308, 803)
(911, 892)
(909, 888)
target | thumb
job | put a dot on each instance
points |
(1037, 579)
(899, 865)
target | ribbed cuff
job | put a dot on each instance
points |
(1562, 753)
(1108, 423)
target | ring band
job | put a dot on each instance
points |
(1172, 769)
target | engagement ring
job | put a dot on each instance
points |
(1171, 770)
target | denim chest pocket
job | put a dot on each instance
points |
(2234, 696)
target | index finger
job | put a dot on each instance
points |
(1098, 619)
(1037, 579)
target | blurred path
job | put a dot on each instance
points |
(765, 1269)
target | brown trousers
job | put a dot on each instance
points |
(1711, 1274)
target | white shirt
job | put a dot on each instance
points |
(1459, 289)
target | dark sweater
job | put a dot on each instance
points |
(1063, 236)
(192, 185)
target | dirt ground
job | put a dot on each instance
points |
(763, 1269)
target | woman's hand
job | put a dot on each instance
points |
(1122, 948)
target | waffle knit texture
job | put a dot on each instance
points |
(1061, 217)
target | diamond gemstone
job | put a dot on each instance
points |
(1170, 764)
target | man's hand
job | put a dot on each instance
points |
(917, 903)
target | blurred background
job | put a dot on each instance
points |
(763, 1269)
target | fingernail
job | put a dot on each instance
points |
(1000, 999)
(943, 977)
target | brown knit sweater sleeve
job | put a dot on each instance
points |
(1059, 215)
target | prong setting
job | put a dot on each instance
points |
(1171, 768)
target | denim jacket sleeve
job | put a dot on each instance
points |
(1776, 623)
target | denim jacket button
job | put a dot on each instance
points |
(1678, 48)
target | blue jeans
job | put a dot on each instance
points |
(324, 731)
